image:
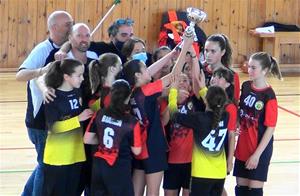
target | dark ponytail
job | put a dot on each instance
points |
(120, 91)
(55, 76)
(216, 99)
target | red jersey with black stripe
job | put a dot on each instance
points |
(258, 110)
(116, 136)
(145, 107)
(181, 138)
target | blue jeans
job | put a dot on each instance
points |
(34, 185)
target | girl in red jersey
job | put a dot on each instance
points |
(117, 134)
(151, 163)
(217, 52)
(180, 141)
(258, 117)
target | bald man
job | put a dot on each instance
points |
(59, 26)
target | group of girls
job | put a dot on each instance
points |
(161, 122)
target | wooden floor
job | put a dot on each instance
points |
(17, 155)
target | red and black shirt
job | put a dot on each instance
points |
(116, 136)
(258, 110)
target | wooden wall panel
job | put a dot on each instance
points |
(234, 27)
(4, 34)
(24, 22)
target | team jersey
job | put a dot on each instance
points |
(181, 138)
(258, 110)
(144, 106)
(39, 57)
(116, 136)
(100, 100)
(208, 74)
(208, 158)
(64, 144)
(85, 85)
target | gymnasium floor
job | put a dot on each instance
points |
(17, 155)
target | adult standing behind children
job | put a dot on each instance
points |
(119, 32)
(59, 26)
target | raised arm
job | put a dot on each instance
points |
(158, 65)
(187, 42)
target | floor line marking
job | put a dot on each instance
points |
(289, 111)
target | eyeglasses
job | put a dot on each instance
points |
(123, 21)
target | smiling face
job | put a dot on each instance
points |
(143, 77)
(219, 81)
(80, 37)
(184, 82)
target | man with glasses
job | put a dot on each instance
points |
(119, 32)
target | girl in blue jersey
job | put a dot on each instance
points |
(150, 164)
(64, 151)
(208, 156)
(117, 134)
(258, 117)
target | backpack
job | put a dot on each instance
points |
(172, 27)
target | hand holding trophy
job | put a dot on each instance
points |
(195, 16)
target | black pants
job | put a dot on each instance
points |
(111, 180)
(61, 180)
(206, 187)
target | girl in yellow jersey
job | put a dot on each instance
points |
(64, 151)
(208, 157)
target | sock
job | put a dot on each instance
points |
(255, 192)
(241, 190)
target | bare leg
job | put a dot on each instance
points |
(153, 183)
(139, 181)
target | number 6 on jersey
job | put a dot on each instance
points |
(108, 139)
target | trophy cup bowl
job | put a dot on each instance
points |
(195, 16)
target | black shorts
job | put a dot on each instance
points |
(260, 173)
(177, 176)
(111, 180)
(61, 180)
(206, 187)
(156, 162)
